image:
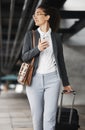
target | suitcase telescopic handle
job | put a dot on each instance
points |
(71, 111)
(73, 92)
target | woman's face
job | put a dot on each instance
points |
(40, 18)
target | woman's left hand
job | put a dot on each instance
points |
(68, 88)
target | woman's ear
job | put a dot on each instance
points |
(47, 17)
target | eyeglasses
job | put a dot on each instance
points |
(37, 14)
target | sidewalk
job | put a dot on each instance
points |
(15, 112)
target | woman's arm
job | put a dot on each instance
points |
(61, 63)
(62, 67)
(27, 51)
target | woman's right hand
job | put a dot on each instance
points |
(42, 45)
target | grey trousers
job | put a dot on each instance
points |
(43, 98)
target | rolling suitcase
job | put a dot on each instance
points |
(67, 118)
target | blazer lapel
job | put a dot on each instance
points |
(54, 42)
(37, 35)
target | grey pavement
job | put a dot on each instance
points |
(15, 112)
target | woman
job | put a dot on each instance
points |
(49, 68)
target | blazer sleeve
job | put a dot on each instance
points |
(28, 52)
(61, 62)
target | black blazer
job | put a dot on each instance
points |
(28, 53)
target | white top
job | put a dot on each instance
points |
(47, 62)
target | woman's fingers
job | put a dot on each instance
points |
(45, 44)
(68, 89)
(42, 45)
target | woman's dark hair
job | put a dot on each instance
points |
(54, 20)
